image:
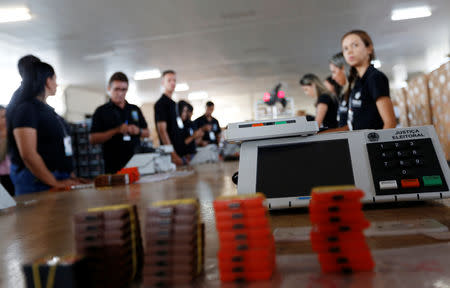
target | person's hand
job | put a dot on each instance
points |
(64, 184)
(122, 129)
(207, 127)
(133, 130)
(198, 133)
(177, 159)
(84, 180)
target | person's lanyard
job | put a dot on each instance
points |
(67, 139)
(179, 121)
(350, 113)
(61, 123)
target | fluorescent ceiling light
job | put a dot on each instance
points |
(99, 56)
(376, 63)
(410, 13)
(199, 95)
(181, 87)
(14, 14)
(148, 74)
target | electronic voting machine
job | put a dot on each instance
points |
(400, 164)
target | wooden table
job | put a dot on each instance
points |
(41, 224)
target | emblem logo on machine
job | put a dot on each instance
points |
(373, 137)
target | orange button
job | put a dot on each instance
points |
(410, 183)
(258, 125)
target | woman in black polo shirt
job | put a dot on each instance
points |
(339, 70)
(370, 106)
(40, 144)
(326, 105)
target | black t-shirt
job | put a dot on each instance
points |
(166, 111)
(51, 130)
(188, 131)
(116, 151)
(363, 112)
(342, 112)
(213, 136)
(330, 119)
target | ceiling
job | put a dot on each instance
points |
(231, 47)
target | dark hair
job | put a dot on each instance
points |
(25, 62)
(336, 86)
(118, 76)
(2, 107)
(181, 105)
(35, 80)
(209, 104)
(353, 73)
(33, 84)
(190, 108)
(167, 72)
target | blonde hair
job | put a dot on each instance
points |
(310, 79)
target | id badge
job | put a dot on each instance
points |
(212, 136)
(68, 146)
(350, 119)
(180, 123)
(135, 116)
(126, 138)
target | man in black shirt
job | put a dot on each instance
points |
(210, 125)
(118, 125)
(189, 134)
(167, 118)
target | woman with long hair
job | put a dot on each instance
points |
(370, 105)
(5, 163)
(326, 103)
(39, 142)
(339, 73)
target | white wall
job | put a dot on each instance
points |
(81, 101)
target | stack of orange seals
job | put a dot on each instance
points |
(337, 233)
(247, 247)
(133, 173)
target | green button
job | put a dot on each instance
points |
(280, 122)
(432, 180)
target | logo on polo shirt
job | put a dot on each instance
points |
(356, 103)
(357, 95)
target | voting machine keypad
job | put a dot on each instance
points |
(404, 167)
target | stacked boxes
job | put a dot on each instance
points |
(337, 232)
(88, 158)
(110, 238)
(174, 243)
(247, 247)
(57, 272)
(108, 180)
